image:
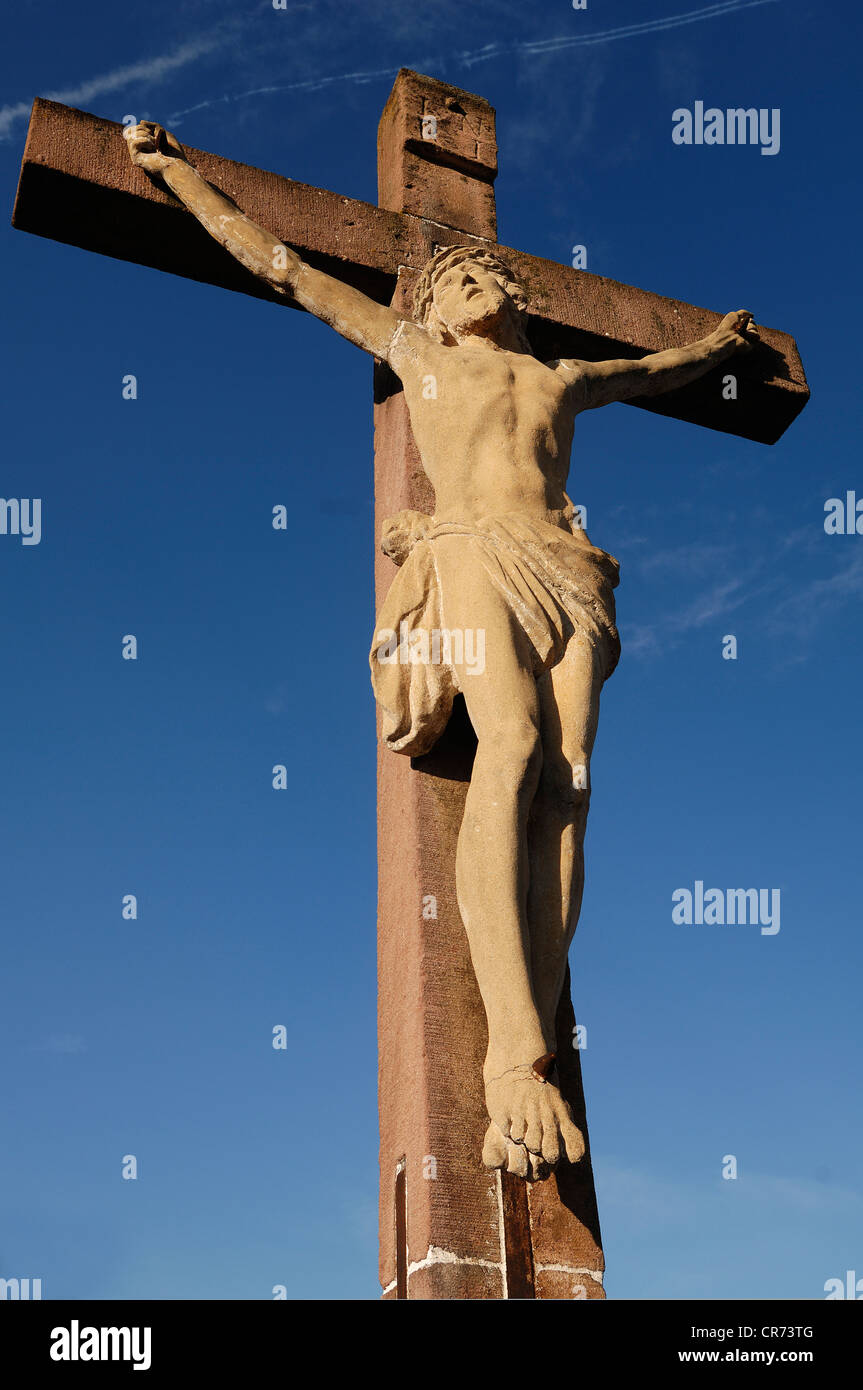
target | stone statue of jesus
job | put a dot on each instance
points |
(500, 568)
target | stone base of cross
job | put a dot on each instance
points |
(448, 1228)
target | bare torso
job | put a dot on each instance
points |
(493, 427)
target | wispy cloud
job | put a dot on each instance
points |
(803, 609)
(469, 59)
(792, 606)
(624, 31)
(154, 70)
(731, 584)
(309, 84)
(149, 70)
(689, 561)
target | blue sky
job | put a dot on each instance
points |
(257, 908)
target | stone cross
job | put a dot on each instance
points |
(448, 1227)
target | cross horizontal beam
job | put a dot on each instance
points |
(78, 186)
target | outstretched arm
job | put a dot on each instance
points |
(620, 378)
(351, 313)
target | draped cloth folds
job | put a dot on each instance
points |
(552, 579)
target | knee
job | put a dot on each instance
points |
(514, 746)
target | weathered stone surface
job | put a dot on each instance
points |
(568, 1284)
(447, 1281)
(438, 155)
(461, 134)
(564, 1219)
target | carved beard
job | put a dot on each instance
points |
(474, 311)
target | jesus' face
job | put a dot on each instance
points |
(469, 298)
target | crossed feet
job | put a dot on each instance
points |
(531, 1123)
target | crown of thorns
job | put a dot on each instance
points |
(450, 256)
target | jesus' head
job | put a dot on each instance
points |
(464, 291)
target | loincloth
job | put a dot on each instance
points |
(554, 582)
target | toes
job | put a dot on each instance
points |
(494, 1152)
(533, 1131)
(573, 1139)
(516, 1161)
(551, 1142)
(501, 1119)
(517, 1128)
(539, 1169)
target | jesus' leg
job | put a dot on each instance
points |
(569, 702)
(529, 1116)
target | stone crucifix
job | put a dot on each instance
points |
(493, 603)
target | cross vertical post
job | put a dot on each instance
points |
(449, 1229)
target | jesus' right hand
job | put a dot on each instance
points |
(152, 147)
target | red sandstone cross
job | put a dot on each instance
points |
(448, 1228)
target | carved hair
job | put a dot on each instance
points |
(443, 260)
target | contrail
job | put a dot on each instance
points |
(493, 50)
(625, 31)
(153, 69)
(148, 70)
